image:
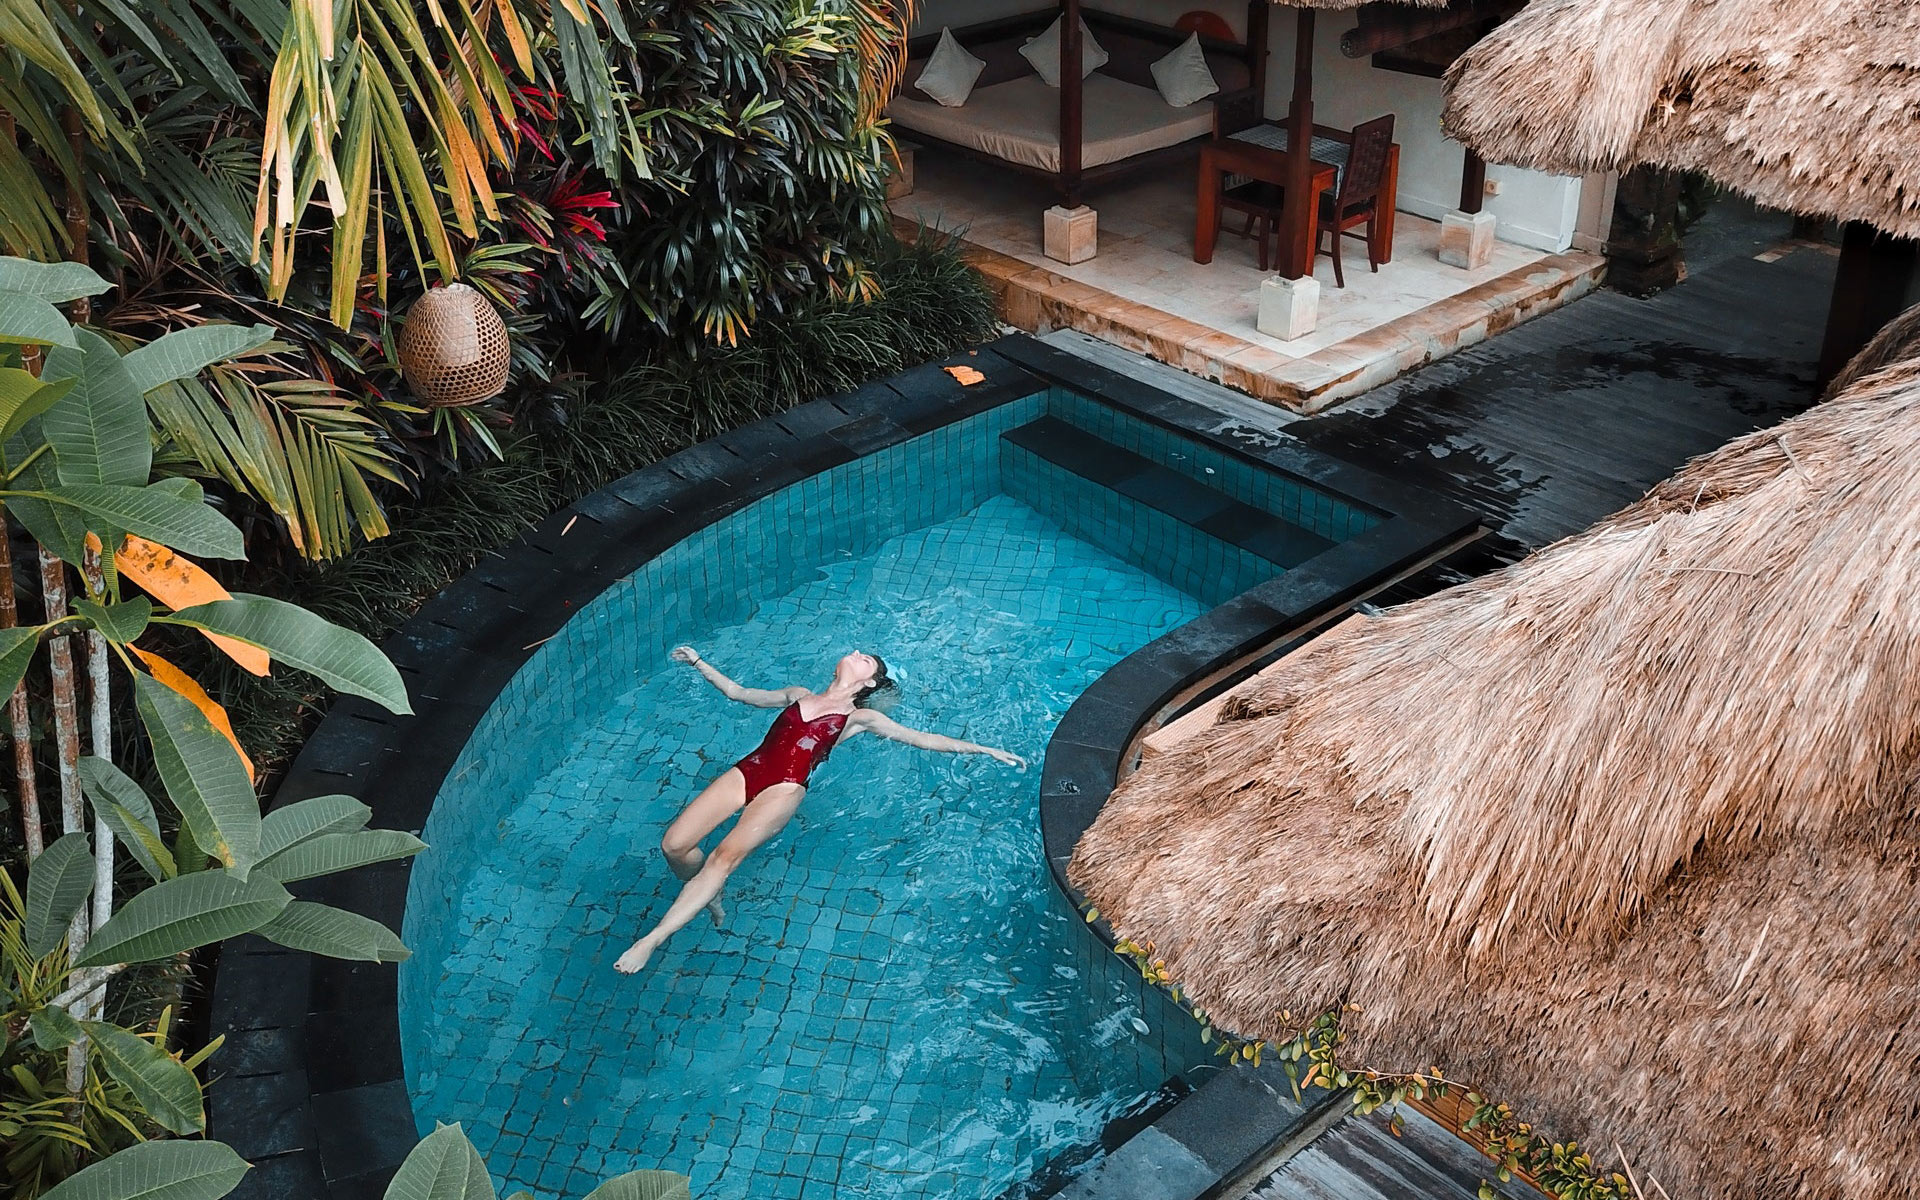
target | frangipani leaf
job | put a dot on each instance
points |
(123, 805)
(330, 852)
(334, 932)
(300, 639)
(54, 282)
(98, 430)
(183, 914)
(179, 582)
(308, 819)
(22, 398)
(16, 655)
(58, 884)
(644, 1185)
(162, 1084)
(163, 1170)
(157, 513)
(54, 1028)
(29, 320)
(122, 622)
(444, 1166)
(190, 688)
(203, 774)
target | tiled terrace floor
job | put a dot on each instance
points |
(1144, 292)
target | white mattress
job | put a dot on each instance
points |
(1019, 121)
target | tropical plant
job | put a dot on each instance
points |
(77, 471)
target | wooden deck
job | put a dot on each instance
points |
(1360, 1158)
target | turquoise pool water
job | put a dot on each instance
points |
(900, 1005)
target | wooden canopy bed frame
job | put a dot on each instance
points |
(1134, 44)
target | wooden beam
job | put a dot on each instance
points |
(1298, 217)
(1875, 283)
(1258, 40)
(1072, 103)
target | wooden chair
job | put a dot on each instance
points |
(1357, 202)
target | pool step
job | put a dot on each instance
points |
(1181, 497)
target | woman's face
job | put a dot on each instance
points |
(857, 669)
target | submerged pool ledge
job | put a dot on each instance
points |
(310, 1087)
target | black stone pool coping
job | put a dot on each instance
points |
(309, 1086)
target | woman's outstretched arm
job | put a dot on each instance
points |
(758, 697)
(887, 727)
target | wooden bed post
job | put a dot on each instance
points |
(1300, 215)
(1072, 110)
(1258, 38)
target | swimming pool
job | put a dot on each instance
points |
(902, 1004)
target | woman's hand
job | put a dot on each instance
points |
(685, 654)
(1004, 756)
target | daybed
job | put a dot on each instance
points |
(1113, 122)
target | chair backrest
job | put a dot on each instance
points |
(1206, 24)
(1366, 171)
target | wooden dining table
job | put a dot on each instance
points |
(1227, 156)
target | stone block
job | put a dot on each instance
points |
(900, 179)
(1289, 308)
(1070, 235)
(1466, 240)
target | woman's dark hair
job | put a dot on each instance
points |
(883, 688)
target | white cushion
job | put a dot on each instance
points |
(1044, 53)
(950, 74)
(1182, 76)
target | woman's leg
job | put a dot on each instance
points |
(681, 843)
(764, 818)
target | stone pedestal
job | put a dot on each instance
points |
(1289, 308)
(1466, 240)
(1070, 235)
(900, 179)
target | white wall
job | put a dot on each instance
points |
(1533, 209)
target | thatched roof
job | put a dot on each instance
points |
(1807, 105)
(1623, 835)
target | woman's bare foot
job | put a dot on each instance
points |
(635, 958)
(718, 912)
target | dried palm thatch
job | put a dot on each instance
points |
(1623, 834)
(1806, 105)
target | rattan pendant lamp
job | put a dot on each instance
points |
(453, 348)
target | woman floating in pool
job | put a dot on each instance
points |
(766, 786)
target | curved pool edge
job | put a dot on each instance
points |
(310, 1084)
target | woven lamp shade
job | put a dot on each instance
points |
(453, 348)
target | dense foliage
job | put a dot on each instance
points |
(639, 174)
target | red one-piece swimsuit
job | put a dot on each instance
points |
(791, 749)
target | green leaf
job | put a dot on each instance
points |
(644, 1185)
(185, 913)
(444, 1166)
(60, 528)
(98, 430)
(332, 852)
(141, 839)
(296, 637)
(163, 1170)
(58, 883)
(54, 282)
(53, 1028)
(185, 353)
(203, 774)
(156, 513)
(22, 398)
(163, 1085)
(16, 655)
(334, 932)
(125, 807)
(29, 320)
(122, 622)
(284, 827)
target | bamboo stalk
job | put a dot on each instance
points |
(66, 738)
(100, 692)
(19, 723)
